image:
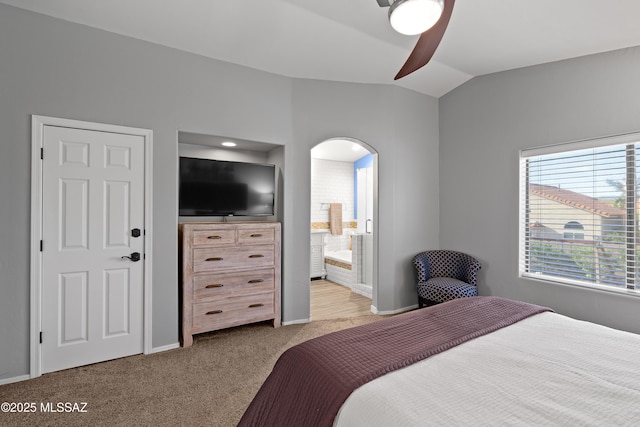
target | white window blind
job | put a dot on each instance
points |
(579, 213)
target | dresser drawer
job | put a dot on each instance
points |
(213, 237)
(209, 286)
(220, 258)
(227, 312)
(256, 236)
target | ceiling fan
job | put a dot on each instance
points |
(429, 18)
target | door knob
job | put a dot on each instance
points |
(135, 257)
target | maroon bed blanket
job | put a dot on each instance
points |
(310, 382)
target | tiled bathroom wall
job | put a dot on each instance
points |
(332, 182)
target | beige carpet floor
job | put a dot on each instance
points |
(208, 384)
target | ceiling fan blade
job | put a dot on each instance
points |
(427, 43)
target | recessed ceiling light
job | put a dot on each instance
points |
(355, 147)
(229, 144)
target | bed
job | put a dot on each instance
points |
(472, 361)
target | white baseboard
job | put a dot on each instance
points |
(164, 348)
(296, 322)
(374, 310)
(4, 381)
(14, 379)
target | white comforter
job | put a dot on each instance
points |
(545, 370)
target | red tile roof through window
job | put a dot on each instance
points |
(577, 200)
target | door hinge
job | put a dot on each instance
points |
(41, 153)
(41, 245)
(40, 337)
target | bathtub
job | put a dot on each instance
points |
(344, 269)
(339, 267)
(342, 258)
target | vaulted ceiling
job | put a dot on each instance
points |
(352, 41)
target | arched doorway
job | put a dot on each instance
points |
(344, 225)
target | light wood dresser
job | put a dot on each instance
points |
(230, 275)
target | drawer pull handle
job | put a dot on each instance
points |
(214, 237)
(256, 256)
(217, 258)
(214, 312)
(256, 281)
(214, 285)
(256, 305)
(256, 235)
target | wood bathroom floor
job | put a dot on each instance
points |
(332, 301)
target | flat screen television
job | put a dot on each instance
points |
(223, 188)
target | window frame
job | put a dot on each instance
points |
(563, 148)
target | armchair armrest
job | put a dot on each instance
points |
(472, 271)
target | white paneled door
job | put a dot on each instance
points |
(93, 246)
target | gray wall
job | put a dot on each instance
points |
(54, 68)
(484, 124)
(402, 127)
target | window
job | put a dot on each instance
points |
(570, 232)
(579, 213)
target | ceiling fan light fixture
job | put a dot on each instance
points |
(411, 17)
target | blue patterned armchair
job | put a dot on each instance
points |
(444, 275)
